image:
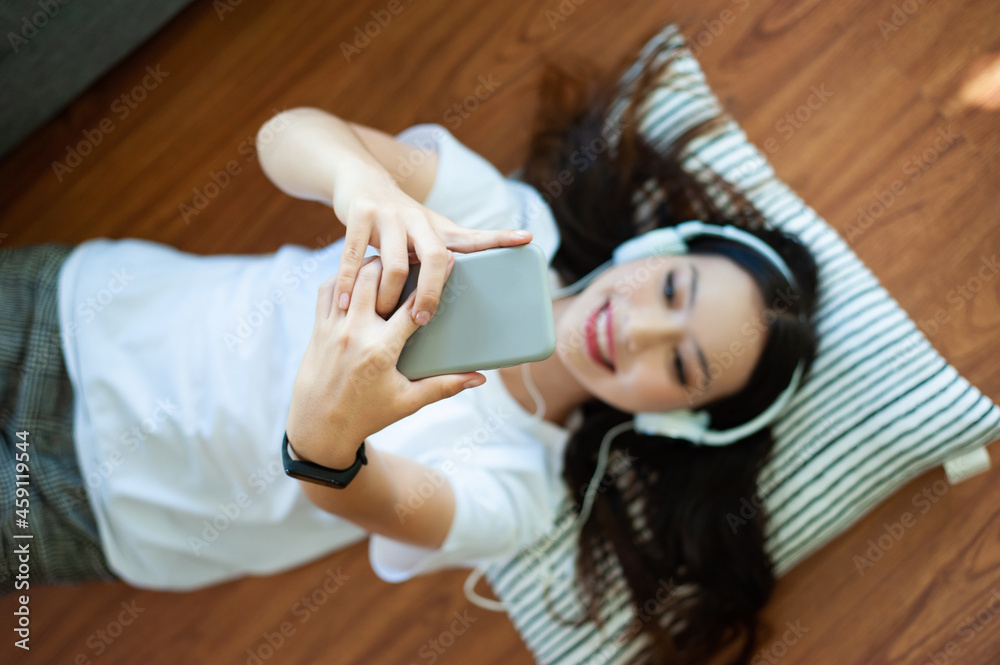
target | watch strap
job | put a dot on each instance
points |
(316, 473)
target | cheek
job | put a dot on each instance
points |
(640, 390)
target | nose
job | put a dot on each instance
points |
(648, 327)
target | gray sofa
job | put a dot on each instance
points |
(53, 50)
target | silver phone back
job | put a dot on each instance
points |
(495, 311)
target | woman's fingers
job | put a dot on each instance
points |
(436, 388)
(325, 305)
(434, 258)
(395, 270)
(355, 246)
(467, 241)
(402, 324)
(434, 268)
(324, 299)
(365, 287)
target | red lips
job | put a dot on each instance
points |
(590, 333)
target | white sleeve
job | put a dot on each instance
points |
(471, 192)
(497, 513)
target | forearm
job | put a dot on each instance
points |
(378, 499)
(306, 152)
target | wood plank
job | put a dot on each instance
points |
(892, 92)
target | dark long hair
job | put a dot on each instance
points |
(664, 518)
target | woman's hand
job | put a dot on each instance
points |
(377, 212)
(347, 386)
(314, 155)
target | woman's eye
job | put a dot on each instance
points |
(669, 289)
(679, 366)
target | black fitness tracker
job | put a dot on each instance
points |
(321, 475)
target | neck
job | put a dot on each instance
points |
(559, 389)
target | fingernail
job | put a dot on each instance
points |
(521, 234)
(423, 318)
(472, 383)
(344, 299)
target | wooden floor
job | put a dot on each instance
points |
(897, 81)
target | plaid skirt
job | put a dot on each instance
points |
(48, 531)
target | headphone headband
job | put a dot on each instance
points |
(673, 240)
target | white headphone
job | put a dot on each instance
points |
(684, 424)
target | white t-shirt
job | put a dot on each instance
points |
(182, 367)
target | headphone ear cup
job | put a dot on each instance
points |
(666, 240)
(680, 424)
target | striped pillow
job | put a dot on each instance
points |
(880, 406)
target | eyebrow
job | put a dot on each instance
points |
(701, 355)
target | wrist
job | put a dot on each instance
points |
(334, 454)
(311, 472)
(354, 174)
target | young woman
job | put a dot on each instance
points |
(180, 379)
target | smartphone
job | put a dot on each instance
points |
(495, 311)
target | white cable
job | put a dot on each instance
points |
(475, 598)
(588, 500)
(478, 572)
(539, 413)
